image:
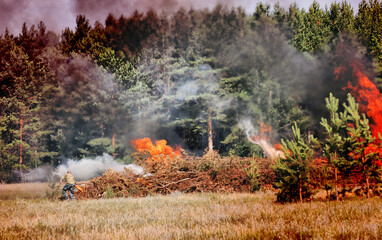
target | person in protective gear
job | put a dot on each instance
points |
(69, 186)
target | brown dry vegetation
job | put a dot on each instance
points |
(23, 190)
(190, 216)
(210, 173)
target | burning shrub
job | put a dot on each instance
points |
(183, 174)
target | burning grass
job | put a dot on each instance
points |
(190, 216)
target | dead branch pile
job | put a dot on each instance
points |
(209, 173)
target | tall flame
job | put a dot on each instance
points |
(369, 98)
(370, 102)
(159, 152)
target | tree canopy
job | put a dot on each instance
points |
(189, 77)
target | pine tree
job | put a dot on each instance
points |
(293, 171)
(333, 144)
(362, 146)
(311, 32)
(349, 144)
(368, 24)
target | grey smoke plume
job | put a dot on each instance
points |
(200, 83)
(59, 14)
(84, 169)
(267, 148)
(87, 168)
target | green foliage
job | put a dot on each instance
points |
(349, 144)
(293, 171)
(109, 192)
(368, 24)
(97, 147)
(341, 18)
(335, 133)
(254, 176)
(361, 144)
(7, 160)
(149, 74)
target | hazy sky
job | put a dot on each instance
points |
(59, 14)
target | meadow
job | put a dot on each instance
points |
(24, 215)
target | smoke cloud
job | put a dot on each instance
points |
(250, 131)
(82, 170)
(201, 85)
(87, 168)
(59, 14)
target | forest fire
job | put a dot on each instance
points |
(370, 102)
(369, 98)
(159, 152)
(263, 140)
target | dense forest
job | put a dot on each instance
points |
(192, 77)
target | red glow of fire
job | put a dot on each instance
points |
(369, 99)
(278, 146)
(264, 134)
(159, 152)
(320, 161)
(263, 139)
(370, 102)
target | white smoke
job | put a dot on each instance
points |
(267, 148)
(187, 90)
(84, 169)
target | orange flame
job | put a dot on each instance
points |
(265, 133)
(160, 152)
(263, 140)
(370, 102)
(369, 99)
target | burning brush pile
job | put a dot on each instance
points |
(168, 170)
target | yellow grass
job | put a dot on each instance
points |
(23, 190)
(190, 216)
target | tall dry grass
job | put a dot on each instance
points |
(24, 190)
(190, 216)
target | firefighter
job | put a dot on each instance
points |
(70, 183)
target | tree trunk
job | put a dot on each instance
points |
(336, 177)
(300, 193)
(113, 145)
(210, 142)
(21, 148)
(336, 183)
(367, 187)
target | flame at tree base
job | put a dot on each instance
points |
(367, 95)
(369, 98)
(262, 139)
(269, 150)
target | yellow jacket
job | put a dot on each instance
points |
(69, 178)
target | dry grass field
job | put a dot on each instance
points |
(24, 190)
(184, 216)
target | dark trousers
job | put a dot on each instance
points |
(69, 187)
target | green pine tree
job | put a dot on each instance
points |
(293, 171)
(363, 147)
(335, 132)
